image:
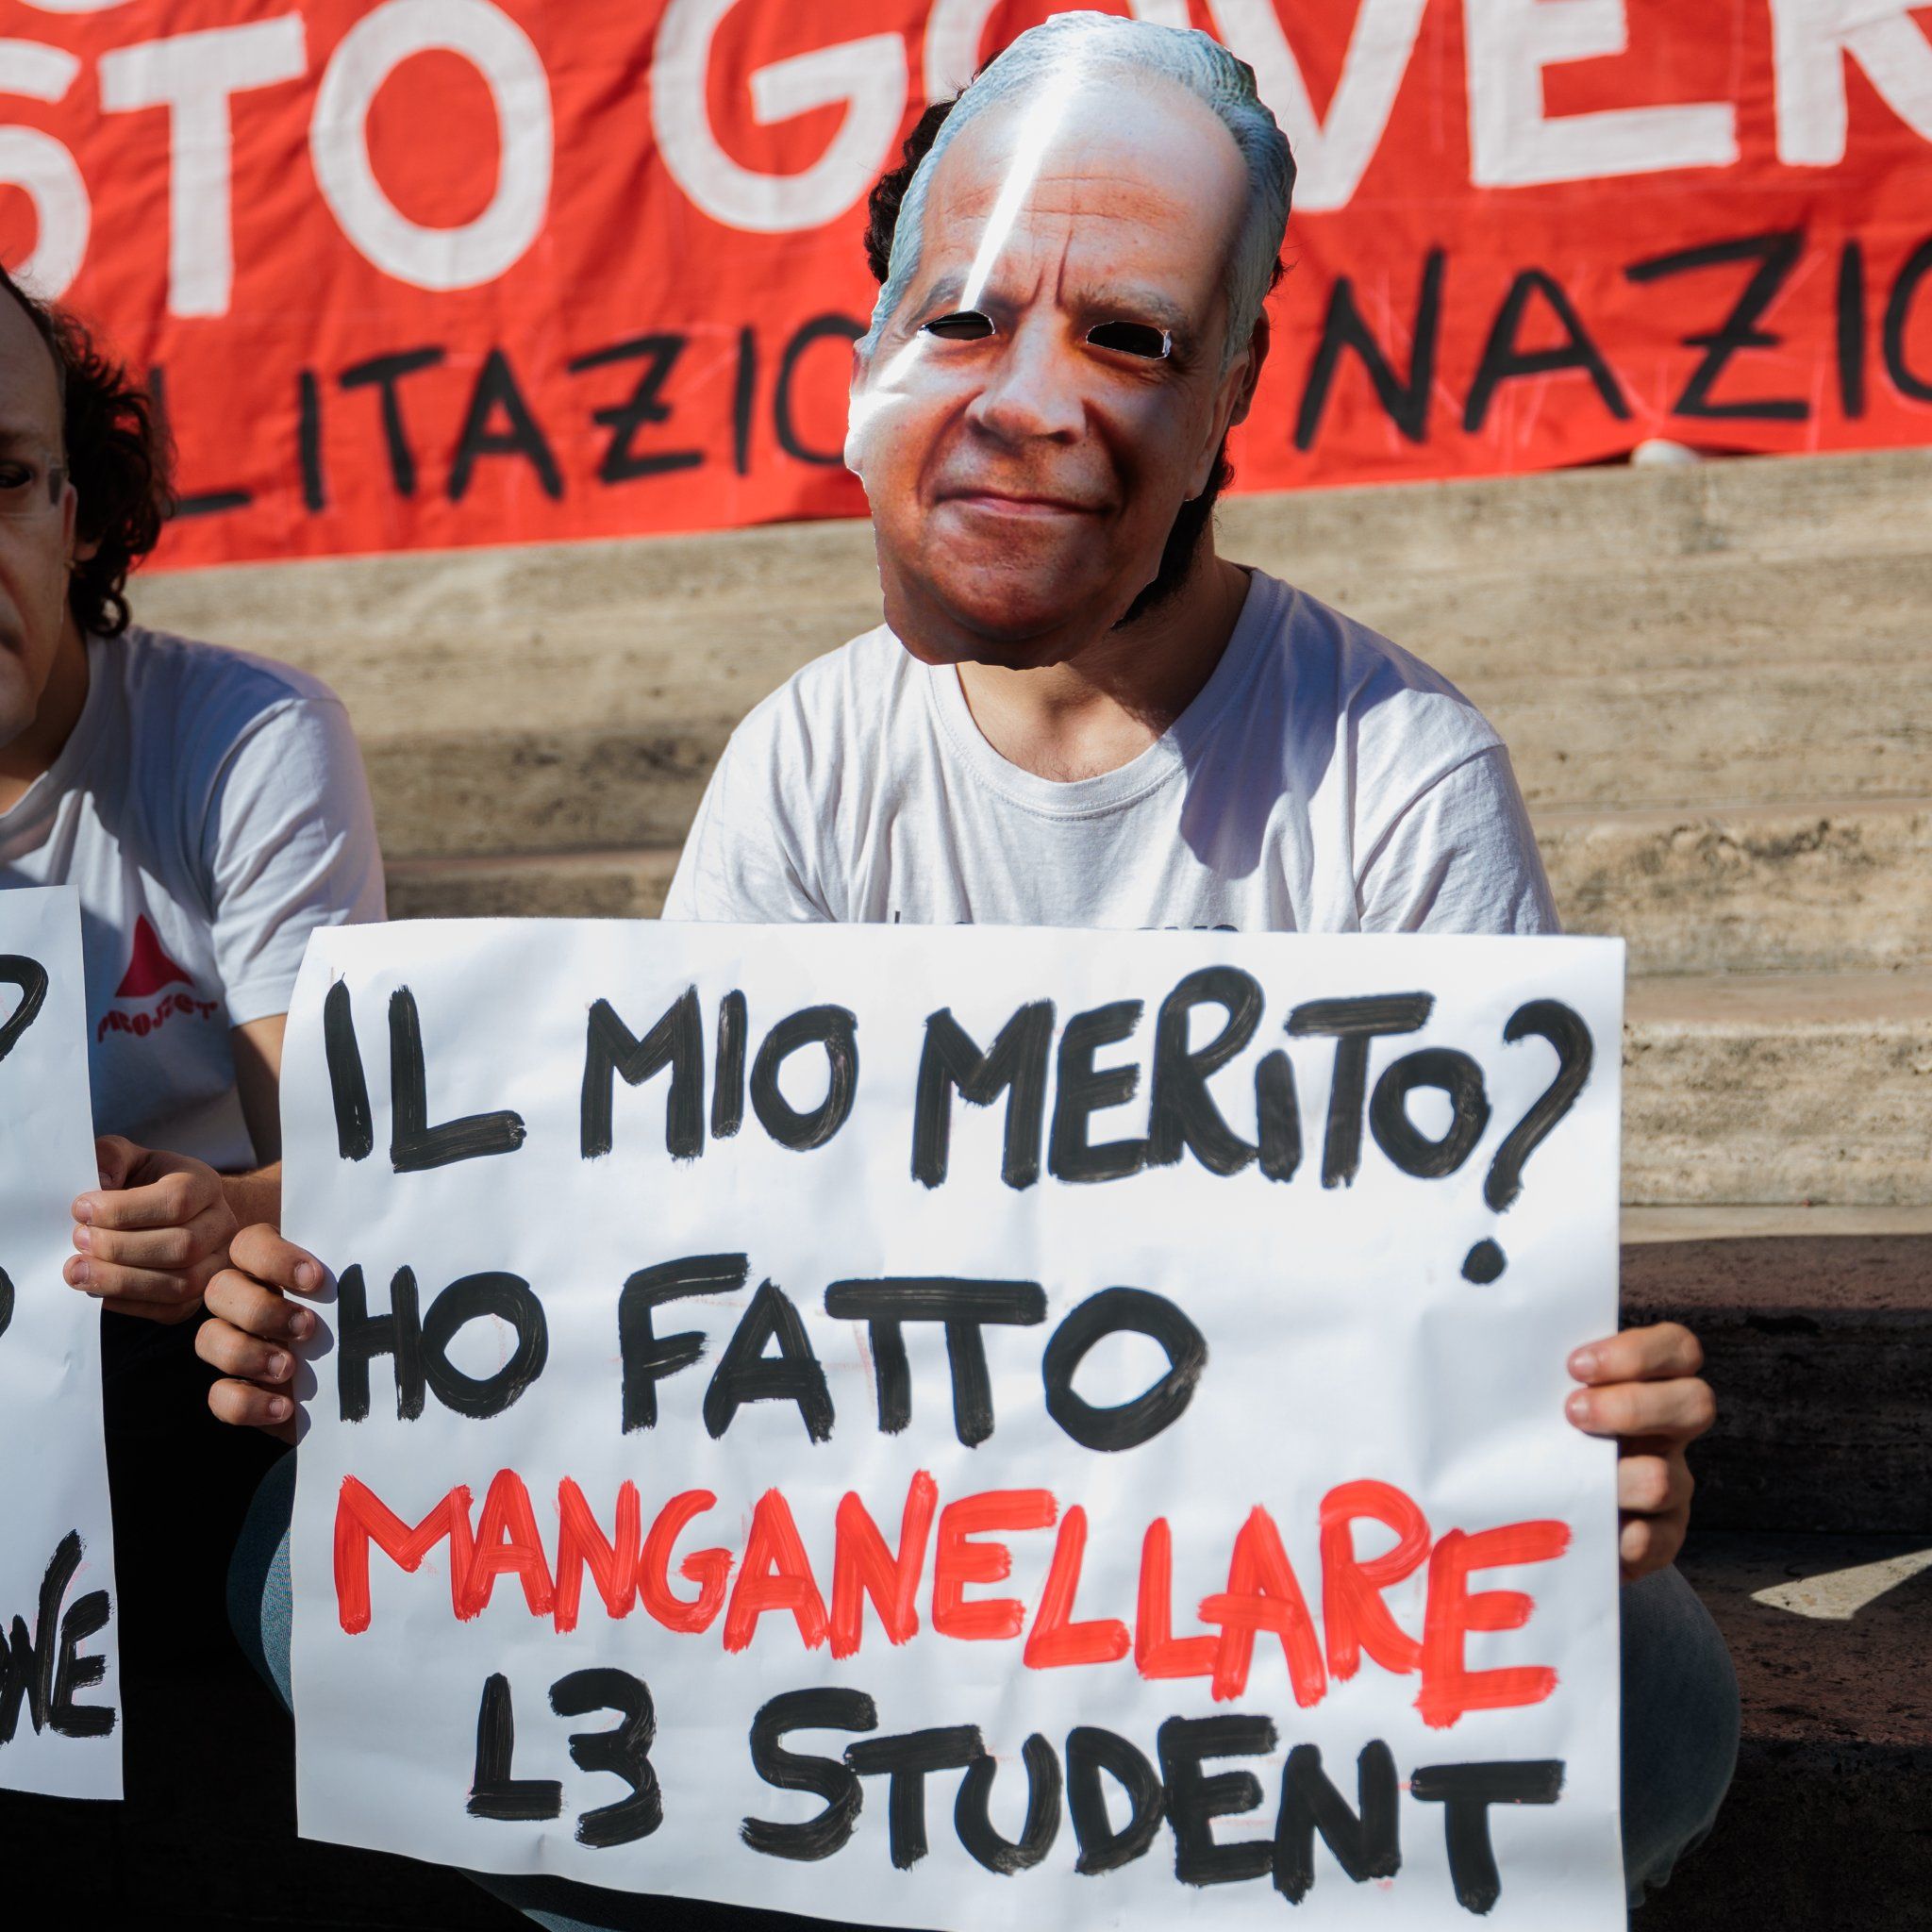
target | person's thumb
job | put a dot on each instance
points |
(116, 1157)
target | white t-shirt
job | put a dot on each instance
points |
(211, 808)
(1322, 781)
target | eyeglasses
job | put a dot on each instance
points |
(1140, 339)
(28, 489)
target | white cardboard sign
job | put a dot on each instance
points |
(58, 1668)
(909, 1425)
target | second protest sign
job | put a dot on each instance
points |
(899, 1424)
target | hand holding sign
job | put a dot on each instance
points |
(770, 1369)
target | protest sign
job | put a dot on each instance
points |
(59, 1667)
(469, 271)
(905, 1424)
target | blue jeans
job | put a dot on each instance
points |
(1680, 1720)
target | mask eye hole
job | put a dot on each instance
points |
(965, 325)
(1139, 339)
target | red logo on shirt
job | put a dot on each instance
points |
(149, 968)
(149, 971)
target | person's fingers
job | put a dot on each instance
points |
(170, 1200)
(239, 1298)
(262, 1251)
(169, 1249)
(249, 1408)
(116, 1157)
(1649, 1542)
(224, 1347)
(1680, 1410)
(1656, 1353)
(175, 1288)
(1650, 1483)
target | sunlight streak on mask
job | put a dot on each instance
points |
(1043, 121)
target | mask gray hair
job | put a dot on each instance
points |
(1101, 45)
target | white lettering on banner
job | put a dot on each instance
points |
(1513, 144)
(500, 51)
(1813, 39)
(194, 77)
(1330, 156)
(73, 6)
(1003, 1353)
(44, 169)
(868, 78)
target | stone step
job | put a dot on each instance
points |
(1818, 889)
(1800, 888)
(1765, 1089)
(1827, 1823)
(1819, 1349)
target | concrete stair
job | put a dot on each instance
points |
(1717, 687)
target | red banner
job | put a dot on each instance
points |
(452, 272)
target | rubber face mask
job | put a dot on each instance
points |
(1045, 381)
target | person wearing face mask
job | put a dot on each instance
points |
(1077, 713)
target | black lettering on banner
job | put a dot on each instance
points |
(385, 373)
(1081, 1089)
(1467, 1792)
(495, 1793)
(1091, 1751)
(414, 1146)
(972, 1817)
(495, 392)
(469, 1299)
(1406, 402)
(746, 1374)
(1277, 1117)
(1898, 316)
(1127, 1426)
(622, 462)
(626, 1751)
(829, 1778)
(1193, 1802)
(309, 441)
(1183, 1113)
(835, 1029)
(30, 977)
(360, 1337)
(814, 331)
(1352, 1024)
(744, 395)
(1451, 1072)
(1849, 312)
(1015, 1064)
(348, 1086)
(675, 1040)
(728, 1081)
(886, 1305)
(42, 1672)
(1366, 1846)
(648, 1359)
(1777, 254)
(1503, 362)
(907, 1760)
(197, 503)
